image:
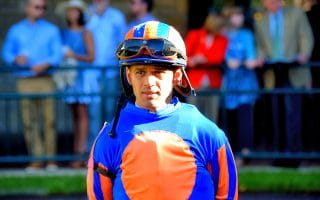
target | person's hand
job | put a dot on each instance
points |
(233, 64)
(250, 64)
(197, 60)
(69, 54)
(302, 59)
(308, 85)
(260, 62)
(21, 60)
(40, 68)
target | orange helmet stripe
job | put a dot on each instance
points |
(129, 34)
(150, 30)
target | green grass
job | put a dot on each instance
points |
(41, 185)
(250, 180)
(281, 180)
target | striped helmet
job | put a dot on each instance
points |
(154, 42)
(170, 47)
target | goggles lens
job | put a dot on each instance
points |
(155, 47)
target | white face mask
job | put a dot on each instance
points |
(236, 20)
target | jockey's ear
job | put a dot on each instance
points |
(177, 77)
(128, 75)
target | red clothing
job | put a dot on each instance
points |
(196, 45)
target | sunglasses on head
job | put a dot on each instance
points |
(157, 48)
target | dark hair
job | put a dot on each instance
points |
(81, 20)
(149, 4)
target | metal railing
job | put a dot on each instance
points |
(11, 128)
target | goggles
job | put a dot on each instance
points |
(156, 48)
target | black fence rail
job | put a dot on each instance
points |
(12, 146)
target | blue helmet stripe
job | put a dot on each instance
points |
(139, 31)
(163, 30)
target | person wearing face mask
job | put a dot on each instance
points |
(239, 76)
(206, 49)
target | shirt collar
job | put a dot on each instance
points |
(37, 22)
(169, 108)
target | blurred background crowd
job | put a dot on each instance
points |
(254, 64)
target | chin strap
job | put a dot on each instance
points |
(185, 88)
(122, 101)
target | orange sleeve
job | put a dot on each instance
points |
(224, 174)
(223, 185)
(99, 185)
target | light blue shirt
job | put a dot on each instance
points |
(40, 42)
(240, 47)
(276, 25)
(108, 32)
(147, 17)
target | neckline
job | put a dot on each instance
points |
(169, 109)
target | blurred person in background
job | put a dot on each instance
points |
(140, 11)
(35, 43)
(312, 110)
(239, 75)
(206, 48)
(79, 51)
(284, 40)
(108, 26)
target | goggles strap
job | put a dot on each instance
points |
(122, 102)
(185, 88)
